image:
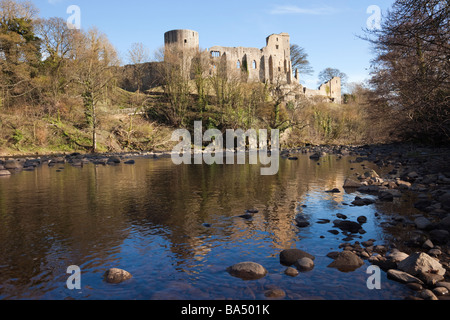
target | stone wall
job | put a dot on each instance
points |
(271, 64)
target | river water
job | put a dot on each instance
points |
(176, 229)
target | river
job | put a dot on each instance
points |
(176, 229)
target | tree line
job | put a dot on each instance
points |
(49, 69)
(43, 62)
(410, 84)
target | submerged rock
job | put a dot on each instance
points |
(275, 294)
(347, 261)
(292, 272)
(301, 221)
(362, 202)
(304, 264)
(345, 225)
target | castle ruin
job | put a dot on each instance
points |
(271, 64)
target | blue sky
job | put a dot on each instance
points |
(327, 29)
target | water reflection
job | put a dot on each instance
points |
(175, 228)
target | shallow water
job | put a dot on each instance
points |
(149, 218)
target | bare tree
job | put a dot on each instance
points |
(300, 61)
(411, 73)
(175, 75)
(137, 56)
(93, 72)
(329, 73)
(56, 46)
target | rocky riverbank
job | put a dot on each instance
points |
(421, 261)
(11, 165)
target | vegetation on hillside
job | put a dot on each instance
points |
(59, 90)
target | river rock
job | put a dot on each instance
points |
(116, 276)
(301, 221)
(316, 156)
(403, 277)
(439, 236)
(369, 189)
(397, 256)
(304, 264)
(12, 165)
(114, 160)
(404, 185)
(247, 271)
(350, 183)
(362, 202)
(423, 205)
(4, 173)
(362, 219)
(422, 223)
(347, 261)
(341, 216)
(431, 279)
(440, 291)
(444, 224)
(275, 294)
(445, 201)
(371, 174)
(444, 285)
(58, 160)
(428, 245)
(291, 272)
(427, 295)
(345, 225)
(420, 263)
(434, 253)
(385, 196)
(290, 256)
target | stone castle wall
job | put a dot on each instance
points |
(271, 64)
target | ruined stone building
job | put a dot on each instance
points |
(271, 64)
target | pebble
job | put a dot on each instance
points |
(275, 294)
(292, 272)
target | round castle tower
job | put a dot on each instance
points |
(182, 39)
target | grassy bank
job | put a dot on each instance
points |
(136, 122)
(121, 128)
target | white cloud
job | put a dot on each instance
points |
(298, 10)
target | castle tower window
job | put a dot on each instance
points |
(277, 46)
(238, 65)
(215, 54)
(185, 40)
(254, 64)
